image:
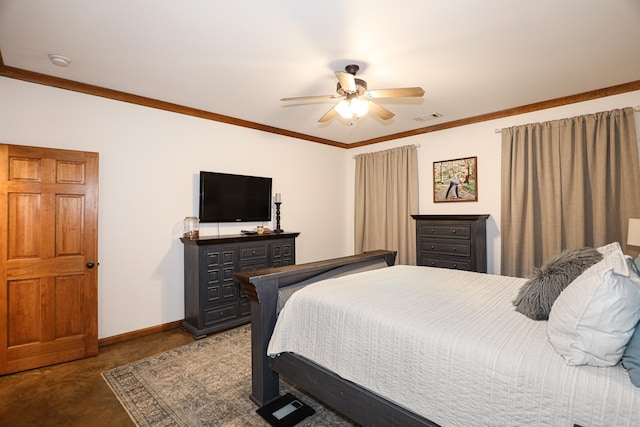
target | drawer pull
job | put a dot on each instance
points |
(433, 246)
(433, 263)
(432, 231)
(453, 231)
(454, 249)
(455, 265)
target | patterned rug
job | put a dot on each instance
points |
(206, 383)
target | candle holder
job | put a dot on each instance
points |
(278, 229)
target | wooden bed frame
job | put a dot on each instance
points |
(360, 405)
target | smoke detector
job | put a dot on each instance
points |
(59, 60)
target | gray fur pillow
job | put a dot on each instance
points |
(538, 294)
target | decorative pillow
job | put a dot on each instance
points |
(594, 318)
(537, 295)
(631, 357)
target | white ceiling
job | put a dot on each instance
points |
(238, 58)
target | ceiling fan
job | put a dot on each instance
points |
(356, 98)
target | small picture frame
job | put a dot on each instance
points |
(455, 180)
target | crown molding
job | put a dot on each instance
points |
(57, 82)
(60, 83)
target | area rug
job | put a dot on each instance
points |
(206, 383)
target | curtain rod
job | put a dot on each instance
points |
(415, 145)
(636, 109)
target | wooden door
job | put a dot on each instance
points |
(48, 256)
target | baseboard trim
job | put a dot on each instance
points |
(103, 342)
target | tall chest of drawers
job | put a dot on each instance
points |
(213, 299)
(452, 241)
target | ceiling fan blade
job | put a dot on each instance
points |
(380, 111)
(302, 98)
(347, 81)
(395, 93)
(328, 115)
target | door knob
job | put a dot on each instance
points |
(90, 265)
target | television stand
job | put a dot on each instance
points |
(213, 299)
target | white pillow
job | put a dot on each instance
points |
(611, 248)
(613, 257)
(594, 317)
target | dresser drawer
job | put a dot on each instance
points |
(456, 231)
(447, 247)
(281, 262)
(284, 249)
(221, 292)
(215, 315)
(446, 263)
(217, 275)
(252, 252)
(218, 257)
(251, 265)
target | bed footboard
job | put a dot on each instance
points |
(261, 287)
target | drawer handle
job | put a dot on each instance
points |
(454, 249)
(432, 231)
(453, 231)
(455, 265)
(433, 246)
(253, 252)
(433, 263)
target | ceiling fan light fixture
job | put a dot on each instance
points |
(350, 89)
(352, 106)
(359, 107)
(343, 109)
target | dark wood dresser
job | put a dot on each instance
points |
(452, 241)
(213, 299)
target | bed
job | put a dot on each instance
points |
(474, 362)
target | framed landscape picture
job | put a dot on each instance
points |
(455, 180)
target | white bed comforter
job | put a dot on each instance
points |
(449, 345)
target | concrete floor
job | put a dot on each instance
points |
(74, 393)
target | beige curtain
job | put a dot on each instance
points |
(386, 195)
(567, 184)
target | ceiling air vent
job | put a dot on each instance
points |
(428, 117)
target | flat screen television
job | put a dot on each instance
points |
(234, 198)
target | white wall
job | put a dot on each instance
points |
(149, 163)
(479, 140)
